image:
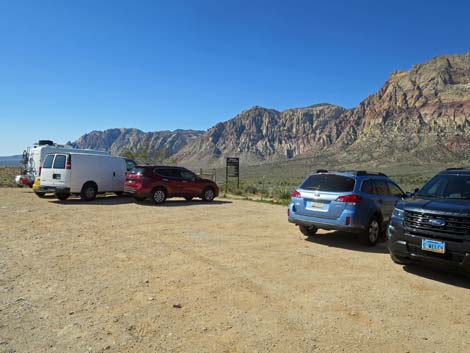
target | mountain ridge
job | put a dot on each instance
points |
(422, 114)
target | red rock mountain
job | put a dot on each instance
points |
(419, 115)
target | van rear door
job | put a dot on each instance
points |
(61, 175)
(47, 171)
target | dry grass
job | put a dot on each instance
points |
(7, 176)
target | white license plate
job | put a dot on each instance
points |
(433, 246)
(317, 205)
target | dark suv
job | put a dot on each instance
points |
(434, 226)
(353, 201)
(162, 182)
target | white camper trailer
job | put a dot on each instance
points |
(83, 174)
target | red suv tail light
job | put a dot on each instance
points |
(295, 193)
(349, 199)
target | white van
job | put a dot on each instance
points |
(83, 174)
(33, 157)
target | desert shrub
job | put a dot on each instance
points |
(251, 189)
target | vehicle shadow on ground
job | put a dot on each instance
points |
(346, 241)
(182, 203)
(436, 274)
(100, 200)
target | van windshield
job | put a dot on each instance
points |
(329, 182)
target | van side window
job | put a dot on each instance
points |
(48, 162)
(59, 162)
(130, 164)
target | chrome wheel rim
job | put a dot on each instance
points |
(159, 196)
(373, 231)
(209, 194)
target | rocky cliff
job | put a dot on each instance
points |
(145, 146)
(422, 114)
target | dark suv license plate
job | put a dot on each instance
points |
(433, 246)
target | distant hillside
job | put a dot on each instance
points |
(144, 146)
(10, 161)
(419, 116)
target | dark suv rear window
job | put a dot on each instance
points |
(329, 182)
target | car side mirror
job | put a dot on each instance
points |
(408, 195)
(416, 190)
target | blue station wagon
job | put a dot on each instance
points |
(353, 201)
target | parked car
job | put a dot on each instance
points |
(83, 174)
(434, 225)
(162, 182)
(353, 201)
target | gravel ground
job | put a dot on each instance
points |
(229, 276)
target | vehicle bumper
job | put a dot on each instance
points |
(135, 192)
(329, 224)
(406, 245)
(53, 189)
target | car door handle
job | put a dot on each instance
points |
(185, 181)
(164, 179)
(114, 173)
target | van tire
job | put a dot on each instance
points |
(62, 196)
(40, 194)
(158, 196)
(89, 191)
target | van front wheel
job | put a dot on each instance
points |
(89, 191)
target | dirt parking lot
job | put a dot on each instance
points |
(230, 276)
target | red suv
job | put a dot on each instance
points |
(162, 182)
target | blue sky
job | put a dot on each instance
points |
(69, 67)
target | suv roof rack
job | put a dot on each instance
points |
(353, 172)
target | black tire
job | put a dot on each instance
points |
(372, 234)
(158, 196)
(62, 196)
(139, 198)
(188, 198)
(40, 194)
(89, 191)
(308, 231)
(400, 260)
(208, 194)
